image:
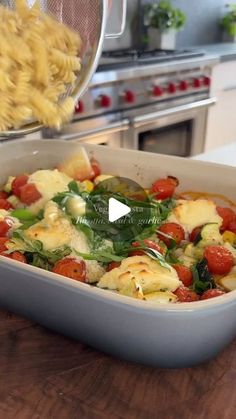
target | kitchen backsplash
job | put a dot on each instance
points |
(201, 28)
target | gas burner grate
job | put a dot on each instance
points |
(136, 54)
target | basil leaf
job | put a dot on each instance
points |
(154, 254)
(202, 278)
(102, 256)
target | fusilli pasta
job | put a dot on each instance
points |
(38, 63)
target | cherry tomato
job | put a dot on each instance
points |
(18, 256)
(17, 184)
(4, 204)
(4, 227)
(220, 260)
(3, 195)
(113, 265)
(232, 226)
(228, 215)
(185, 275)
(3, 241)
(29, 194)
(164, 188)
(173, 230)
(71, 268)
(96, 168)
(212, 294)
(186, 295)
(149, 243)
(193, 235)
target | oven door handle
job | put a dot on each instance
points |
(110, 129)
(140, 121)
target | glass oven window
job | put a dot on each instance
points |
(173, 139)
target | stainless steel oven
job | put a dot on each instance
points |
(178, 130)
(154, 100)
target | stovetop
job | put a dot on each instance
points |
(132, 57)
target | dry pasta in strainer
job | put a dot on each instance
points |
(38, 63)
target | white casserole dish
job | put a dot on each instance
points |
(169, 335)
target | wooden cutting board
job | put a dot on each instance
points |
(45, 375)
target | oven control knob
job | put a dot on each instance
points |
(104, 101)
(183, 85)
(157, 91)
(79, 107)
(207, 81)
(197, 83)
(129, 96)
(172, 88)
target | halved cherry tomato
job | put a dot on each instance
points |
(113, 265)
(71, 268)
(220, 260)
(186, 295)
(29, 194)
(149, 243)
(193, 235)
(232, 226)
(185, 275)
(3, 195)
(3, 241)
(228, 215)
(17, 184)
(4, 227)
(18, 256)
(212, 294)
(164, 188)
(4, 204)
(173, 230)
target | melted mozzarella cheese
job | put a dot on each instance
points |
(148, 274)
(49, 183)
(191, 214)
(56, 231)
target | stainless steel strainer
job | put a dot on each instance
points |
(88, 18)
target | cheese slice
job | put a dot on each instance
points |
(191, 214)
(147, 273)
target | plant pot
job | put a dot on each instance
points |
(162, 40)
(228, 38)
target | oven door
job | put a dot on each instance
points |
(178, 131)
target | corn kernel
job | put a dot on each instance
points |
(87, 186)
(230, 237)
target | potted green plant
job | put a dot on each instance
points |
(163, 21)
(228, 22)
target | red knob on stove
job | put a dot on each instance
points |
(129, 96)
(207, 81)
(79, 107)
(197, 83)
(183, 85)
(105, 101)
(172, 88)
(157, 91)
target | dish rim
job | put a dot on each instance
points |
(117, 299)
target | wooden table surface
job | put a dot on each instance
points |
(45, 375)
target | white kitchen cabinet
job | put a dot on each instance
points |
(221, 122)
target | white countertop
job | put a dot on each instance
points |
(223, 155)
